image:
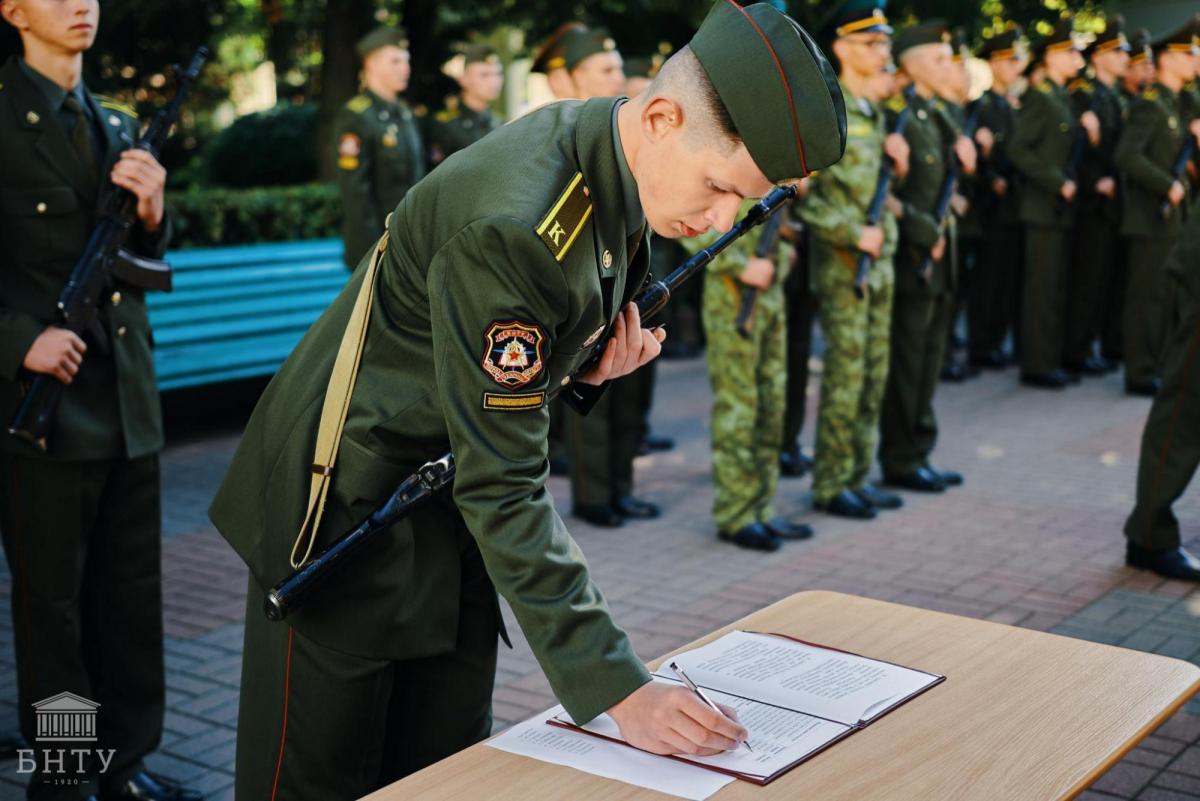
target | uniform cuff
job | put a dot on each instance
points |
(582, 397)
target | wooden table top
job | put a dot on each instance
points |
(1022, 715)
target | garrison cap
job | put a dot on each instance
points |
(480, 54)
(932, 32)
(1184, 40)
(579, 44)
(641, 67)
(858, 16)
(1140, 46)
(1111, 38)
(381, 37)
(1061, 38)
(1006, 44)
(550, 55)
(778, 87)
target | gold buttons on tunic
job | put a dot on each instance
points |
(32, 117)
(121, 331)
(116, 299)
(41, 208)
(565, 381)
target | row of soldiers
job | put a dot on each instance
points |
(1049, 213)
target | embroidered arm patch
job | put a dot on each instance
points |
(513, 352)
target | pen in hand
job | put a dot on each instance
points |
(691, 685)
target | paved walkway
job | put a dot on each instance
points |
(1032, 539)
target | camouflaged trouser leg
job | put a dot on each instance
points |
(749, 382)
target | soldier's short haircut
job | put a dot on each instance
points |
(683, 79)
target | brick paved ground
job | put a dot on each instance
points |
(1033, 539)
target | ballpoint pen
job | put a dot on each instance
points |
(691, 685)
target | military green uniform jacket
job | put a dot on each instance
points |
(835, 207)
(930, 137)
(1146, 153)
(49, 205)
(378, 158)
(1098, 161)
(998, 116)
(452, 129)
(504, 267)
(1041, 147)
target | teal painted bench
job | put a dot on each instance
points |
(237, 312)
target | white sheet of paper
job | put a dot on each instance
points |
(828, 684)
(779, 737)
(538, 740)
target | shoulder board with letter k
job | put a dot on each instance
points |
(566, 218)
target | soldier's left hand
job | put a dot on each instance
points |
(964, 148)
(141, 174)
(629, 347)
(896, 148)
(1106, 186)
(986, 140)
(1194, 126)
(1091, 124)
(959, 204)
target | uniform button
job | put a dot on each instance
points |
(1064, 127)
(930, 158)
(121, 331)
(565, 381)
(116, 299)
(41, 208)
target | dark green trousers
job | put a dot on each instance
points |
(1093, 266)
(1043, 300)
(996, 264)
(83, 543)
(319, 724)
(1148, 316)
(908, 426)
(1170, 442)
(800, 311)
(604, 442)
(1112, 329)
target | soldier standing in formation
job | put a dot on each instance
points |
(496, 277)
(1097, 239)
(908, 431)
(470, 118)
(746, 370)
(1171, 440)
(1149, 146)
(1041, 151)
(856, 330)
(81, 521)
(379, 155)
(994, 295)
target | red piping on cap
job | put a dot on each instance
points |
(786, 85)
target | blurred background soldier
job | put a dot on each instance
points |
(746, 369)
(1153, 137)
(469, 118)
(909, 430)
(1139, 76)
(856, 330)
(1097, 237)
(549, 60)
(993, 298)
(1041, 150)
(963, 226)
(379, 154)
(593, 63)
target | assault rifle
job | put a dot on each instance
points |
(949, 186)
(767, 240)
(883, 185)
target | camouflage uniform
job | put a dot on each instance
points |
(856, 332)
(749, 382)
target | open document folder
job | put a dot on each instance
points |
(794, 698)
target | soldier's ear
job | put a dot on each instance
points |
(661, 118)
(13, 15)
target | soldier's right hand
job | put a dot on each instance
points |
(759, 273)
(1176, 193)
(1068, 191)
(667, 719)
(1091, 125)
(871, 240)
(57, 352)
(939, 249)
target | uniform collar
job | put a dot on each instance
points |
(55, 95)
(635, 218)
(853, 102)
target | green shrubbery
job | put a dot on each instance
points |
(212, 217)
(267, 148)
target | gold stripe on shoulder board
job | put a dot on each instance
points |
(566, 218)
